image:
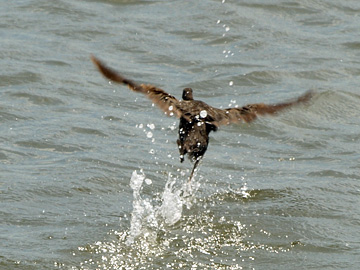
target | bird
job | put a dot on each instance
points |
(197, 119)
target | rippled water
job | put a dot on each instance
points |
(90, 175)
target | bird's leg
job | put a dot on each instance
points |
(194, 168)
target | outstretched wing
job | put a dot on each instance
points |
(250, 112)
(166, 102)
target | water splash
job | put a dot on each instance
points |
(201, 238)
(243, 191)
(172, 203)
(147, 217)
(143, 211)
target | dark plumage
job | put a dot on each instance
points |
(197, 119)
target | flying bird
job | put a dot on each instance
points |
(197, 119)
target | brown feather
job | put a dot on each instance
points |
(166, 102)
(250, 112)
(197, 119)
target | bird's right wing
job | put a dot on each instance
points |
(166, 102)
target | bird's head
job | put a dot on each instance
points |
(187, 94)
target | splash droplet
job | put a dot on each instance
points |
(148, 181)
(203, 113)
(151, 126)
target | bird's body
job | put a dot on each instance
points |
(197, 119)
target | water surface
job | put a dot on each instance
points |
(90, 175)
